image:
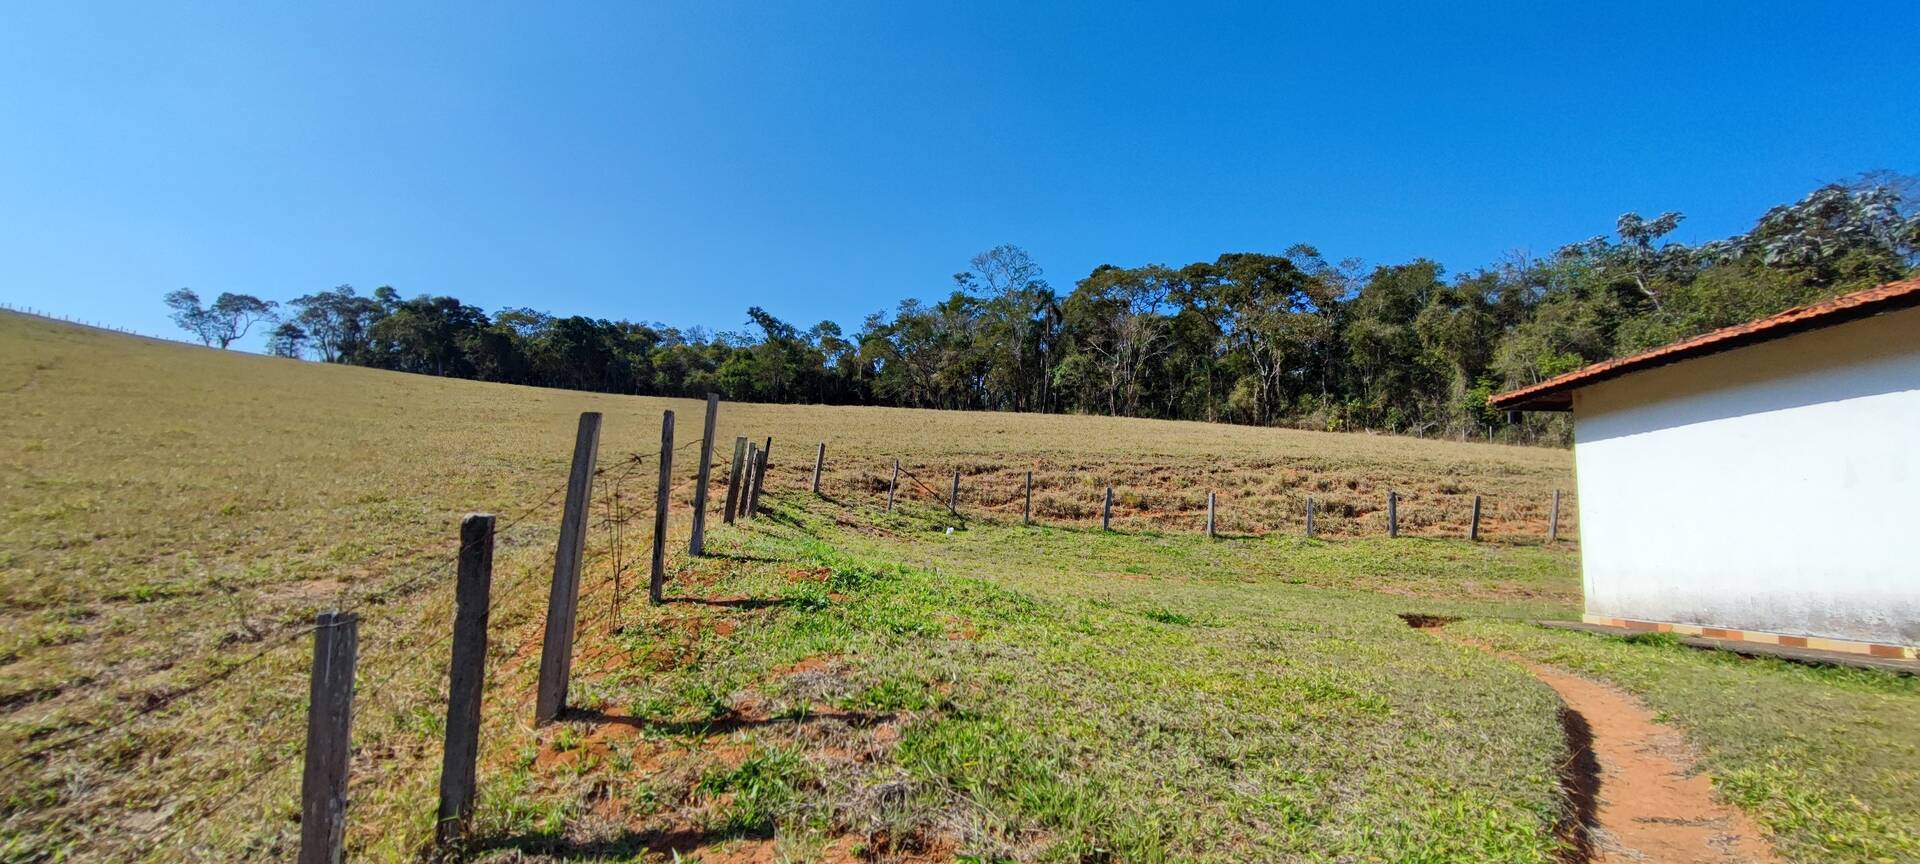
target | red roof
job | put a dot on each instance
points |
(1556, 394)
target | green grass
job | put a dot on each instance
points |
(1827, 758)
(855, 680)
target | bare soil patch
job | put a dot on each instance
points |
(1633, 792)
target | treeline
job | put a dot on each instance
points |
(1289, 338)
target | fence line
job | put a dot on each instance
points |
(336, 632)
(1212, 510)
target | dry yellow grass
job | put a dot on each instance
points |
(170, 510)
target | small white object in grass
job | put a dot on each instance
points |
(949, 530)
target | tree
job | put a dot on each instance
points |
(337, 321)
(188, 313)
(227, 320)
(1118, 318)
(287, 340)
(1872, 223)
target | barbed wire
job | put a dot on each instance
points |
(272, 644)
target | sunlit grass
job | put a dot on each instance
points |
(859, 682)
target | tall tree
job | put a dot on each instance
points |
(225, 321)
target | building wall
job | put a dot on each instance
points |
(1773, 487)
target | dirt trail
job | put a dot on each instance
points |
(1635, 795)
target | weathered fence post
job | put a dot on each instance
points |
(1473, 532)
(748, 479)
(1106, 509)
(1553, 519)
(658, 578)
(1026, 516)
(697, 544)
(733, 478)
(1393, 513)
(323, 787)
(953, 497)
(1210, 515)
(759, 483)
(556, 653)
(466, 677)
(819, 461)
(1309, 516)
(891, 484)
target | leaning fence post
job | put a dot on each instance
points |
(733, 479)
(556, 653)
(819, 460)
(1473, 532)
(748, 479)
(953, 498)
(658, 579)
(697, 544)
(1106, 509)
(1210, 515)
(1393, 513)
(891, 484)
(466, 677)
(323, 786)
(759, 484)
(1309, 516)
(1026, 516)
(1553, 519)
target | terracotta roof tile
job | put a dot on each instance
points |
(1556, 394)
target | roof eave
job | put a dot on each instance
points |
(1559, 400)
(1556, 394)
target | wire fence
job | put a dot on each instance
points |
(406, 671)
(97, 325)
(1070, 496)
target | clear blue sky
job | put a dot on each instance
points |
(681, 162)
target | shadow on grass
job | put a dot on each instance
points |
(671, 845)
(743, 558)
(733, 602)
(732, 721)
(1580, 784)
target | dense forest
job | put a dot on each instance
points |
(1289, 338)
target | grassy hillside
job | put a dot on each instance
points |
(836, 683)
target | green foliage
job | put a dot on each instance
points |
(1247, 337)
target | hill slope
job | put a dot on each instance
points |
(837, 682)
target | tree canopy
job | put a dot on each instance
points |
(1288, 338)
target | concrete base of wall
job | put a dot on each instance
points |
(1817, 643)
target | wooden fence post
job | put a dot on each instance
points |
(1393, 513)
(1553, 519)
(466, 677)
(1106, 509)
(953, 498)
(891, 484)
(1309, 517)
(323, 787)
(1026, 516)
(1473, 533)
(759, 483)
(819, 461)
(748, 479)
(658, 579)
(697, 544)
(733, 478)
(556, 652)
(1209, 515)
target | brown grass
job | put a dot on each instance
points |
(170, 510)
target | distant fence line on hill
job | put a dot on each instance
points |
(336, 632)
(42, 313)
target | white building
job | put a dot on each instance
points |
(1759, 482)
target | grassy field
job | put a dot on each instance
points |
(838, 683)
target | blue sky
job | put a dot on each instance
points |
(681, 162)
